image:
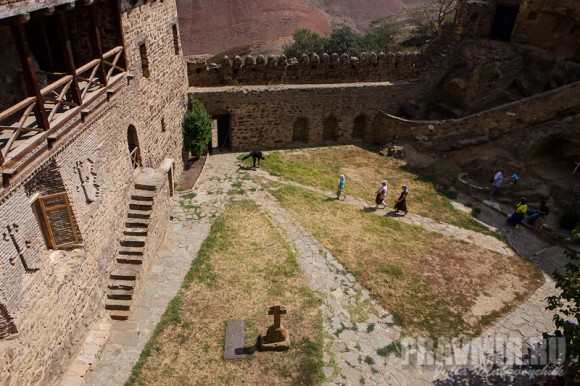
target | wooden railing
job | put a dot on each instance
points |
(57, 102)
(135, 155)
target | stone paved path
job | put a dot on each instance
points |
(353, 340)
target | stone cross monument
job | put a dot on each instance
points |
(275, 337)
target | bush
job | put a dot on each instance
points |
(569, 220)
(196, 128)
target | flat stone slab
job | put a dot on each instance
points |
(234, 345)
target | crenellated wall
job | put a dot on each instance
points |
(313, 69)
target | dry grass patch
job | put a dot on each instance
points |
(243, 267)
(432, 284)
(364, 171)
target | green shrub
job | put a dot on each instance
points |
(196, 128)
(569, 220)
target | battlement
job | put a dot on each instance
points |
(308, 69)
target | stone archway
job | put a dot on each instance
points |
(330, 129)
(359, 127)
(300, 131)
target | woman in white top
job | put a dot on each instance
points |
(381, 193)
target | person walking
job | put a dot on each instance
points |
(381, 193)
(340, 190)
(519, 213)
(496, 183)
(256, 155)
(401, 203)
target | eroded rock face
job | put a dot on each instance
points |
(551, 26)
(214, 26)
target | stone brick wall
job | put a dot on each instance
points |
(264, 116)
(373, 67)
(512, 119)
(52, 297)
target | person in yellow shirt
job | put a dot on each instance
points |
(519, 213)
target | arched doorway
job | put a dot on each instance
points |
(220, 132)
(134, 150)
(300, 131)
(330, 129)
(359, 127)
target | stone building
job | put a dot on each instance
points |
(92, 95)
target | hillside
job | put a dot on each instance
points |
(210, 27)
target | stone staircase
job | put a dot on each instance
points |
(123, 278)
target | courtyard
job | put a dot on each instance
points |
(356, 280)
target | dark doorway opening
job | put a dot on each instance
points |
(300, 131)
(329, 133)
(359, 128)
(134, 150)
(503, 22)
(221, 133)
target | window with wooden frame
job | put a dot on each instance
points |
(57, 220)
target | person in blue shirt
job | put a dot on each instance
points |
(340, 190)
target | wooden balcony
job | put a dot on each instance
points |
(20, 131)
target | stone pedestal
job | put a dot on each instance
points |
(275, 339)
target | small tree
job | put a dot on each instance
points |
(567, 305)
(196, 128)
(343, 40)
(385, 34)
(305, 42)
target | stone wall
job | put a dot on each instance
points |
(264, 116)
(12, 88)
(373, 67)
(512, 119)
(52, 297)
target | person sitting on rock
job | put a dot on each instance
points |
(518, 215)
(542, 211)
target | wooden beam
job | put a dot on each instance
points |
(44, 12)
(15, 20)
(29, 75)
(66, 48)
(96, 46)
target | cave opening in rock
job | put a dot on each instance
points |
(503, 22)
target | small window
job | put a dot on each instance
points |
(163, 127)
(58, 222)
(144, 60)
(175, 39)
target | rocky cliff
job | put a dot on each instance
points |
(210, 27)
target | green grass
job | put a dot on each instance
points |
(392, 348)
(321, 168)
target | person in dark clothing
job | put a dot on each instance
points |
(401, 203)
(256, 155)
(542, 211)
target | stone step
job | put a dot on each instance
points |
(119, 314)
(139, 214)
(133, 241)
(124, 274)
(140, 205)
(121, 284)
(135, 232)
(143, 195)
(137, 223)
(122, 294)
(118, 304)
(129, 259)
(145, 186)
(132, 251)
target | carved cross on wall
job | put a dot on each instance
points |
(277, 310)
(10, 235)
(87, 176)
